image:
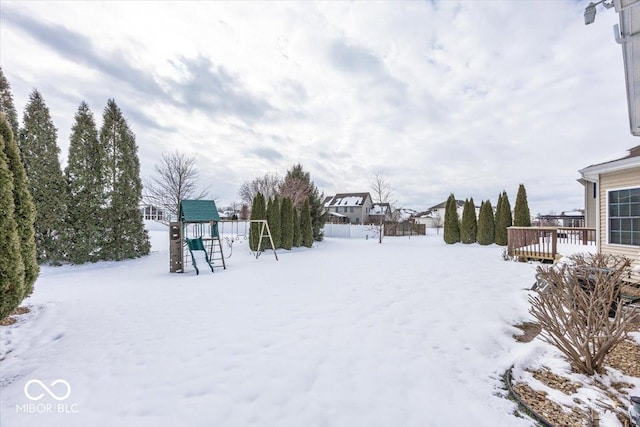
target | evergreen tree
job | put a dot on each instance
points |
(11, 266)
(451, 221)
(297, 184)
(297, 231)
(469, 224)
(286, 215)
(253, 228)
(486, 224)
(306, 227)
(124, 233)
(85, 179)
(6, 105)
(24, 209)
(269, 202)
(275, 222)
(521, 214)
(503, 219)
(39, 153)
(258, 211)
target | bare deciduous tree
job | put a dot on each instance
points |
(176, 179)
(268, 185)
(381, 193)
(579, 311)
(438, 222)
(297, 189)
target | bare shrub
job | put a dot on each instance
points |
(578, 309)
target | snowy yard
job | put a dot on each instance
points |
(350, 333)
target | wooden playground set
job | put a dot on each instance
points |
(197, 232)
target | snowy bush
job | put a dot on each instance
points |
(577, 308)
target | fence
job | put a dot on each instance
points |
(404, 229)
(542, 242)
(350, 231)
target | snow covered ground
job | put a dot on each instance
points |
(410, 332)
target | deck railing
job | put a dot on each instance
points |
(542, 242)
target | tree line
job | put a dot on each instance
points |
(86, 213)
(289, 228)
(293, 208)
(486, 228)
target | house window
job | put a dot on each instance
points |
(624, 217)
(595, 190)
(351, 209)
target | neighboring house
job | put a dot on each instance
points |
(616, 186)
(434, 216)
(228, 215)
(574, 218)
(154, 213)
(429, 219)
(380, 211)
(568, 219)
(351, 208)
(404, 215)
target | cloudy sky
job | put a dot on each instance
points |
(468, 97)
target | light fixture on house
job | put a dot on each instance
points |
(590, 11)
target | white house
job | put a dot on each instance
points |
(434, 216)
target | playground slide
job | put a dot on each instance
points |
(198, 253)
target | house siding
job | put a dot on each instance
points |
(355, 213)
(629, 178)
(591, 204)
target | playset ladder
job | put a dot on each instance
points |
(216, 254)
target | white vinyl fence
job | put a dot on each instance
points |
(347, 231)
(350, 231)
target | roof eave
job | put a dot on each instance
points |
(591, 173)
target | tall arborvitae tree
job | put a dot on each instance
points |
(124, 232)
(521, 214)
(39, 153)
(451, 221)
(297, 184)
(6, 105)
(503, 219)
(11, 267)
(496, 215)
(85, 174)
(253, 228)
(469, 224)
(486, 224)
(306, 227)
(275, 222)
(25, 211)
(258, 211)
(297, 230)
(286, 223)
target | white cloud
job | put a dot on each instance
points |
(441, 97)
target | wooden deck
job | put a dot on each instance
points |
(541, 243)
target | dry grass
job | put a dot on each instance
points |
(10, 319)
